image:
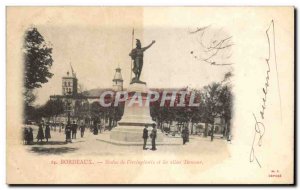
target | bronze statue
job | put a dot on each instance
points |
(137, 55)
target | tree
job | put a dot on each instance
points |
(37, 62)
(162, 114)
(81, 109)
(95, 110)
(211, 104)
(226, 107)
(216, 102)
(52, 108)
(37, 59)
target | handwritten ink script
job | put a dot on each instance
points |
(259, 126)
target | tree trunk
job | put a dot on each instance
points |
(212, 132)
(110, 123)
(206, 130)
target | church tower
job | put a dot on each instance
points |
(118, 80)
(69, 84)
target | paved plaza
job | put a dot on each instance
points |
(92, 144)
(92, 157)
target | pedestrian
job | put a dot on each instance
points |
(212, 133)
(95, 132)
(82, 129)
(145, 137)
(184, 135)
(40, 136)
(30, 136)
(187, 134)
(68, 131)
(153, 136)
(25, 136)
(47, 133)
(74, 130)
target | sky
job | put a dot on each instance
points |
(100, 41)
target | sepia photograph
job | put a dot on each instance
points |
(150, 95)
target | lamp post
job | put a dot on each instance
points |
(69, 101)
(68, 128)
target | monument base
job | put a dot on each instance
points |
(133, 134)
(135, 118)
(135, 80)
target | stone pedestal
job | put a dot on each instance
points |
(136, 116)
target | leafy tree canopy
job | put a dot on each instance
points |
(37, 58)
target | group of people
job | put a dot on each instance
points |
(153, 136)
(41, 135)
(28, 135)
(71, 131)
(44, 132)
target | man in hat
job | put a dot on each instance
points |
(145, 136)
(68, 131)
(74, 130)
(137, 55)
(153, 136)
(47, 132)
(82, 129)
(184, 135)
(40, 136)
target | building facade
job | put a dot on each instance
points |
(69, 85)
(78, 106)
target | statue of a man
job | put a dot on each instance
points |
(137, 55)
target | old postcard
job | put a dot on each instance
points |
(150, 95)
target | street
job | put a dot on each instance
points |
(91, 145)
(90, 157)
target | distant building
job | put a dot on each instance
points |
(73, 100)
(69, 84)
(118, 80)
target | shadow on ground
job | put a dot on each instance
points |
(57, 151)
(49, 143)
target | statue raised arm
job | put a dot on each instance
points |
(145, 48)
(137, 55)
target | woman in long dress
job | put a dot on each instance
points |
(40, 136)
(47, 133)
